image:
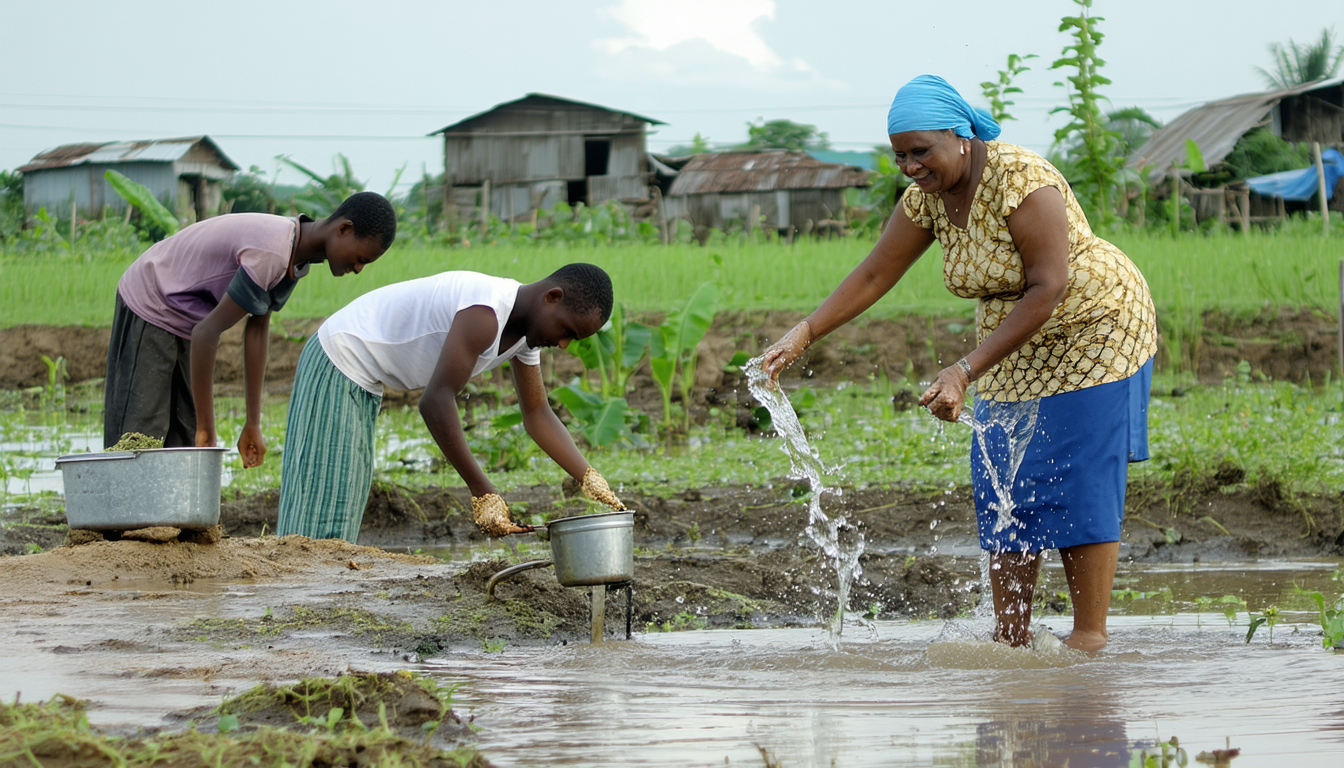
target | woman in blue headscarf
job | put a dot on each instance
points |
(1065, 329)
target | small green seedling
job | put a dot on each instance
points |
(1268, 616)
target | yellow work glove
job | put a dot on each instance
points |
(492, 516)
(595, 487)
(782, 353)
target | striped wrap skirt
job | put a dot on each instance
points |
(327, 463)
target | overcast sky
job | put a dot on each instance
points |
(371, 79)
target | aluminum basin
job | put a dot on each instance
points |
(125, 490)
(593, 549)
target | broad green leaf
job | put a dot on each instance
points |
(608, 423)
(138, 194)
(635, 344)
(302, 169)
(579, 403)
(506, 420)
(1194, 159)
(689, 323)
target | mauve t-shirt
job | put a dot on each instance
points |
(181, 279)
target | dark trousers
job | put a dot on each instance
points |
(148, 385)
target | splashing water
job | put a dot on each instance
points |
(806, 464)
(1018, 422)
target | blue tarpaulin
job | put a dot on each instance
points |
(1301, 184)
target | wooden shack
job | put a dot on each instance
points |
(185, 174)
(790, 191)
(1312, 113)
(539, 150)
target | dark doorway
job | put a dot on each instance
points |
(596, 156)
(577, 191)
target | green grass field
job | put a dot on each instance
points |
(1187, 275)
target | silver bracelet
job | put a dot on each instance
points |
(965, 365)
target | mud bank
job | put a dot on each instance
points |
(1281, 344)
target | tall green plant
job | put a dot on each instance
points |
(138, 194)
(672, 356)
(614, 352)
(1098, 162)
(997, 91)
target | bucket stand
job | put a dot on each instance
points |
(597, 597)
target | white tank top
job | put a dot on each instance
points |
(392, 336)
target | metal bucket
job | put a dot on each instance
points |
(593, 549)
(125, 490)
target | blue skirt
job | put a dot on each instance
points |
(1070, 486)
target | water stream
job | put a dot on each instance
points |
(839, 543)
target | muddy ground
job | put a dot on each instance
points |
(705, 557)
(735, 556)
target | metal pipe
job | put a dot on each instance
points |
(599, 601)
(512, 570)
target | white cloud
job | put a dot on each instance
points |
(726, 25)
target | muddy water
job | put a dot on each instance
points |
(894, 693)
(900, 693)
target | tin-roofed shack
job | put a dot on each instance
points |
(184, 174)
(791, 191)
(540, 150)
(1311, 113)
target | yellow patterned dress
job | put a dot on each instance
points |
(1088, 367)
(1103, 330)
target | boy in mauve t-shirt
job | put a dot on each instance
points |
(177, 298)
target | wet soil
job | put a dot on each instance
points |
(708, 557)
(705, 557)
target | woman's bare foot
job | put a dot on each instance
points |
(1088, 642)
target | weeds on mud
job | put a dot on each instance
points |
(395, 720)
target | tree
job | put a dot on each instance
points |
(1260, 152)
(699, 145)
(11, 203)
(249, 192)
(1299, 63)
(784, 134)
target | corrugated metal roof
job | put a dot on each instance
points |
(543, 100)
(149, 151)
(1215, 127)
(763, 171)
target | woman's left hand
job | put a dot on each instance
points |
(947, 395)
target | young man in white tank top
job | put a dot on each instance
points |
(433, 333)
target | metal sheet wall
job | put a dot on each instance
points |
(52, 188)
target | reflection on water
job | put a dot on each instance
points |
(897, 693)
(906, 694)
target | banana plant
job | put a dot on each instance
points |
(323, 194)
(137, 194)
(672, 356)
(600, 420)
(614, 352)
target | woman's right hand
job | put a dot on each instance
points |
(782, 353)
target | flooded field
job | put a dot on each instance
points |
(928, 692)
(730, 663)
(901, 693)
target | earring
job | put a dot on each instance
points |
(963, 149)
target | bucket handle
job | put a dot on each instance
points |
(511, 571)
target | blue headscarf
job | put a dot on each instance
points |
(928, 103)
